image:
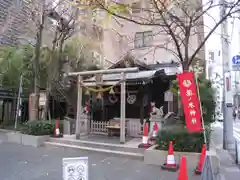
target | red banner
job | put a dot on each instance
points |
(190, 100)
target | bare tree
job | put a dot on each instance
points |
(178, 21)
(39, 12)
(69, 27)
(66, 19)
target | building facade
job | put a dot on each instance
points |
(145, 43)
(13, 15)
(18, 21)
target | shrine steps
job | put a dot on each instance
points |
(114, 149)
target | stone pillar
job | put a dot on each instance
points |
(123, 109)
(84, 123)
(79, 108)
(168, 97)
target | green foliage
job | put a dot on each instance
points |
(38, 128)
(15, 61)
(206, 96)
(7, 124)
(183, 141)
(79, 54)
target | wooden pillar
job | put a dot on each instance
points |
(123, 109)
(79, 108)
(3, 107)
(142, 108)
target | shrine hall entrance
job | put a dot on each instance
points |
(142, 88)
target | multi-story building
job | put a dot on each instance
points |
(12, 20)
(115, 38)
(18, 21)
(234, 43)
(120, 37)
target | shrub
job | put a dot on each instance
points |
(182, 139)
(39, 128)
(10, 125)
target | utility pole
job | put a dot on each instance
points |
(19, 103)
(228, 141)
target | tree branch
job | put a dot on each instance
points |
(169, 30)
(211, 32)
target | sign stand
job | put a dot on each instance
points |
(75, 168)
(237, 149)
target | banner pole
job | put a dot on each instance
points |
(201, 111)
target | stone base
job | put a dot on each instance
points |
(14, 137)
(35, 141)
(25, 139)
(153, 156)
(60, 136)
(146, 146)
(170, 168)
(197, 172)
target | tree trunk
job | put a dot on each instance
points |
(180, 106)
(60, 60)
(51, 76)
(36, 70)
(185, 65)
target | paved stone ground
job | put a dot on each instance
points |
(28, 163)
(229, 170)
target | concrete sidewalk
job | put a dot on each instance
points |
(228, 169)
(29, 163)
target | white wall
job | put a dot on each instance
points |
(114, 48)
(234, 31)
(214, 45)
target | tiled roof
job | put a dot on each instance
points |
(167, 68)
(129, 76)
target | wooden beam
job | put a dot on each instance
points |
(123, 109)
(107, 83)
(79, 108)
(93, 84)
(103, 71)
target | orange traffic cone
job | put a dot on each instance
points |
(183, 169)
(145, 143)
(57, 130)
(170, 163)
(145, 134)
(199, 167)
(155, 130)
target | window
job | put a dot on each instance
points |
(136, 7)
(143, 39)
(211, 56)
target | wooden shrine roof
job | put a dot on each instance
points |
(141, 75)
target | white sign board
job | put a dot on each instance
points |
(75, 168)
(168, 96)
(42, 99)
